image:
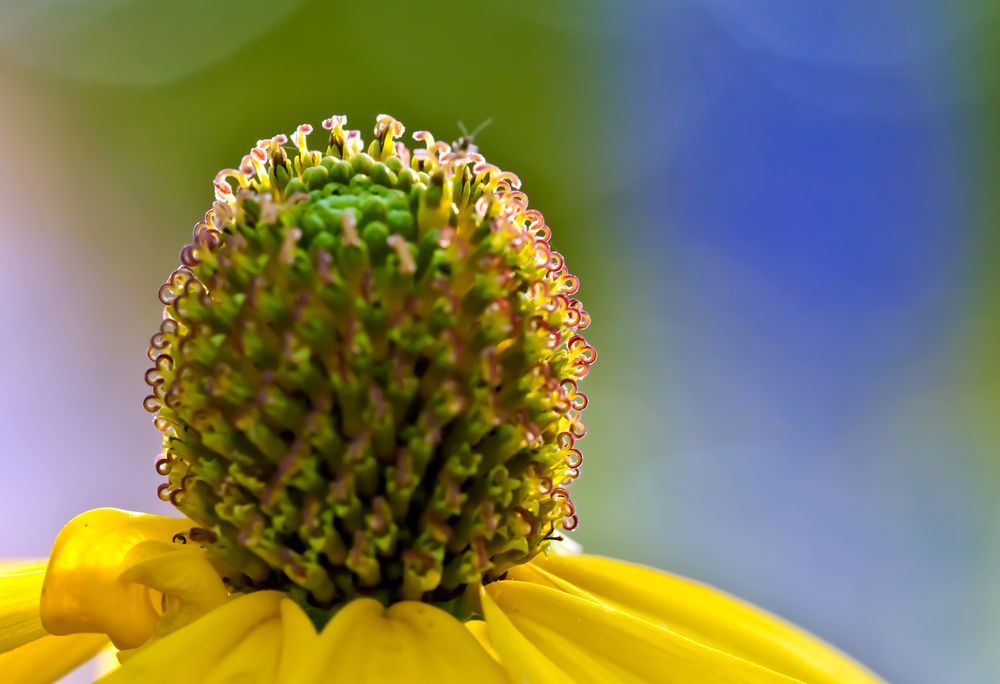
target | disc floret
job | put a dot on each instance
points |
(366, 374)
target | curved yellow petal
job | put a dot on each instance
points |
(106, 661)
(410, 641)
(49, 658)
(592, 642)
(190, 585)
(699, 612)
(83, 591)
(20, 591)
(523, 660)
(298, 640)
(192, 653)
(254, 660)
(479, 630)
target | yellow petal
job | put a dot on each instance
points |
(18, 564)
(594, 643)
(298, 640)
(49, 658)
(192, 653)
(20, 590)
(523, 660)
(479, 630)
(182, 574)
(83, 591)
(410, 641)
(701, 613)
(254, 660)
(106, 661)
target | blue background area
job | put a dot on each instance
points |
(799, 187)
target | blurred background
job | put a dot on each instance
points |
(784, 216)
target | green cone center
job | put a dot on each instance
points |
(366, 373)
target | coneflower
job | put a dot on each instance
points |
(366, 378)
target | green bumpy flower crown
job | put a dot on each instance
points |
(366, 375)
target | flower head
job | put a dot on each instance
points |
(366, 375)
(366, 380)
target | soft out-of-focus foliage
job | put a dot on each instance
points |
(125, 42)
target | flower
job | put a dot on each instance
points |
(366, 381)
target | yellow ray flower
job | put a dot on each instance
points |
(366, 380)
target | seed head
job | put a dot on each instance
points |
(366, 375)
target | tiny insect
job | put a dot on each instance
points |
(465, 143)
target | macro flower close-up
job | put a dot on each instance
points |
(367, 384)
(298, 386)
